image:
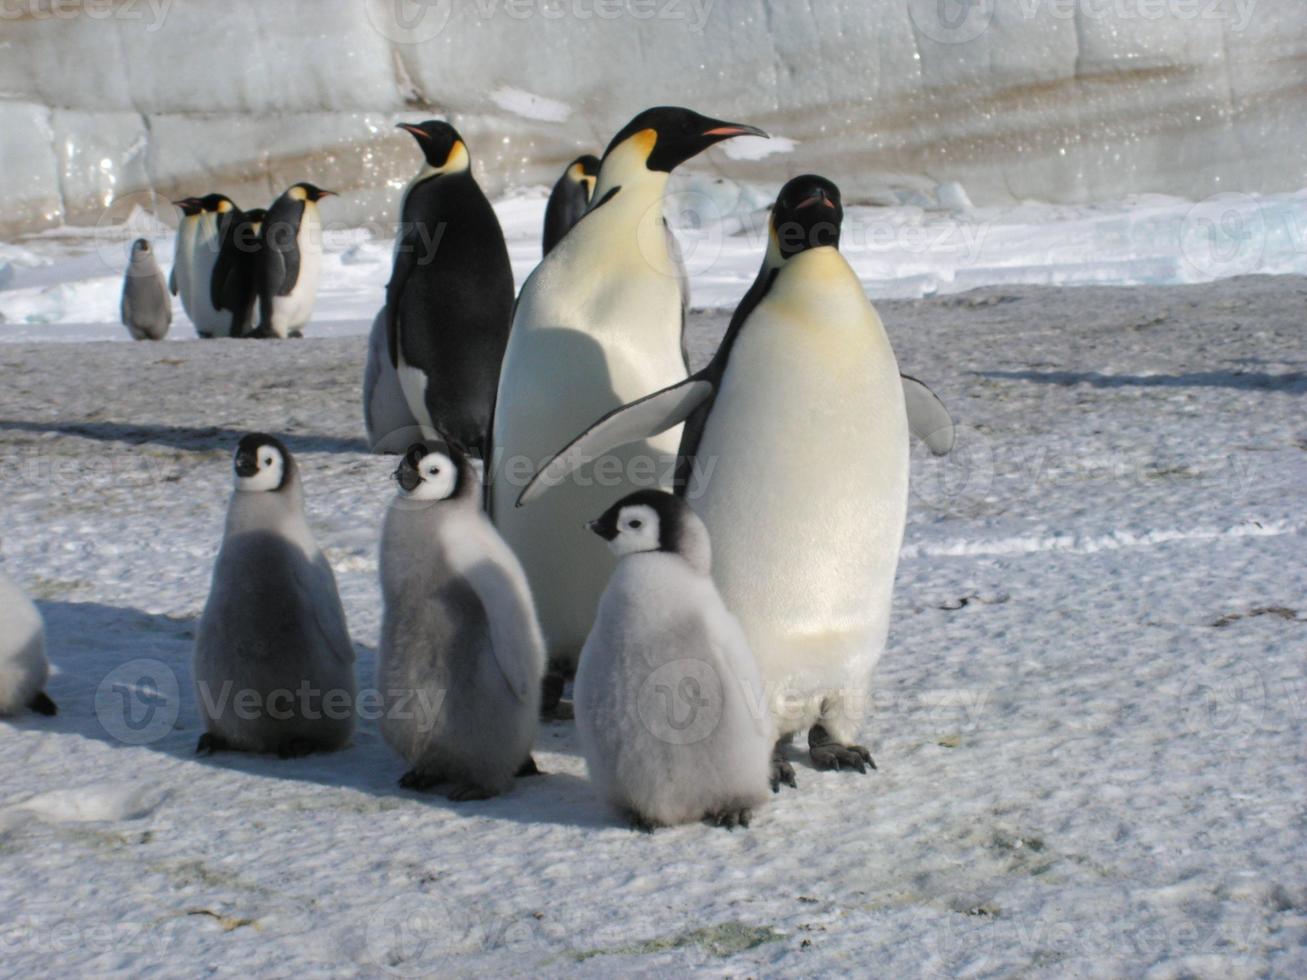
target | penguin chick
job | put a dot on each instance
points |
(146, 305)
(461, 652)
(274, 668)
(569, 199)
(23, 667)
(670, 707)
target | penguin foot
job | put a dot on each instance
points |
(528, 768)
(420, 781)
(40, 703)
(296, 748)
(466, 793)
(729, 819)
(210, 743)
(827, 753)
(641, 825)
(295, 335)
(551, 693)
(781, 771)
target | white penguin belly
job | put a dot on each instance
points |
(204, 256)
(801, 477)
(293, 311)
(582, 345)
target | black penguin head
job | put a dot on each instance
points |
(435, 471)
(190, 206)
(216, 204)
(651, 520)
(256, 215)
(262, 463)
(140, 247)
(443, 148)
(807, 214)
(304, 191)
(667, 136)
(584, 171)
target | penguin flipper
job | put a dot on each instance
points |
(406, 258)
(316, 582)
(928, 419)
(513, 629)
(172, 280)
(638, 420)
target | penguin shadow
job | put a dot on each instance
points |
(1293, 382)
(122, 676)
(189, 438)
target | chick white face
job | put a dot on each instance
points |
(260, 469)
(634, 529)
(434, 477)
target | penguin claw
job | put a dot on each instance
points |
(419, 781)
(730, 819)
(829, 754)
(782, 772)
(642, 826)
(210, 743)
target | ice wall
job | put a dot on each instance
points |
(1062, 100)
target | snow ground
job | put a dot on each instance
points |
(1090, 722)
(65, 285)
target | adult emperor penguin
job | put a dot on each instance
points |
(597, 324)
(274, 668)
(569, 199)
(216, 217)
(795, 454)
(449, 302)
(389, 421)
(146, 306)
(23, 667)
(461, 653)
(290, 261)
(179, 280)
(234, 284)
(670, 707)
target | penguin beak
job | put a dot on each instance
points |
(818, 198)
(725, 131)
(246, 465)
(322, 193)
(592, 526)
(417, 131)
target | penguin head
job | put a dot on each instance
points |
(255, 216)
(584, 170)
(191, 206)
(666, 136)
(304, 191)
(262, 463)
(444, 149)
(435, 471)
(654, 520)
(216, 204)
(140, 247)
(807, 214)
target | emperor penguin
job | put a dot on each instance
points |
(670, 707)
(569, 199)
(23, 667)
(274, 668)
(290, 261)
(598, 323)
(798, 426)
(179, 280)
(234, 283)
(461, 654)
(389, 421)
(146, 306)
(217, 215)
(449, 302)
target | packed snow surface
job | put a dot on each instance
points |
(1090, 722)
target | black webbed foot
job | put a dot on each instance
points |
(210, 743)
(420, 781)
(730, 819)
(40, 703)
(827, 753)
(466, 792)
(528, 768)
(781, 771)
(296, 748)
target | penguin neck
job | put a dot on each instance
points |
(281, 510)
(625, 167)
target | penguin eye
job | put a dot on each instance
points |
(636, 524)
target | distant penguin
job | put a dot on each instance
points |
(234, 284)
(146, 306)
(290, 261)
(449, 302)
(670, 707)
(274, 668)
(797, 426)
(390, 423)
(461, 654)
(216, 218)
(23, 667)
(598, 324)
(179, 280)
(569, 199)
